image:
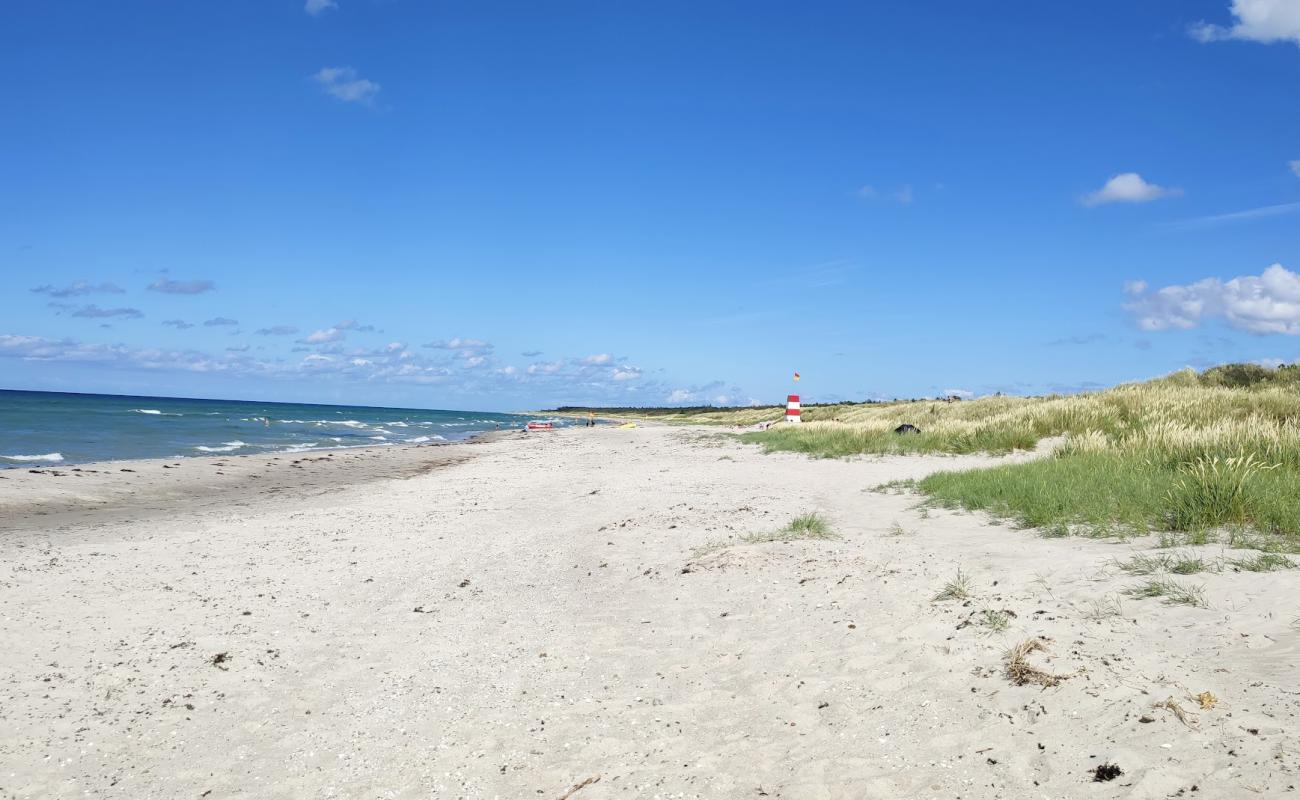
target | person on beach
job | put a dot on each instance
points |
(591, 419)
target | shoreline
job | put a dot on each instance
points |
(57, 496)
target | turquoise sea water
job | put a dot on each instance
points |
(46, 428)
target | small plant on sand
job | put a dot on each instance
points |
(894, 487)
(804, 526)
(1183, 563)
(1171, 592)
(898, 530)
(995, 621)
(1145, 564)
(958, 588)
(1105, 607)
(1021, 672)
(1262, 562)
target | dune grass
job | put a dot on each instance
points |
(1197, 455)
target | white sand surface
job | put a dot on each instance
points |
(515, 618)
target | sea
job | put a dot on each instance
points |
(47, 428)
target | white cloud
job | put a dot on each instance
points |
(325, 335)
(1266, 303)
(545, 367)
(965, 394)
(1135, 287)
(1263, 21)
(315, 7)
(217, 322)
(277, 330)
(1127, 187)
(598, 358)
(343, 83)
(1295, 167)
(904, 195)
(625, 373)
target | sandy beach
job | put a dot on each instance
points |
(572, 614)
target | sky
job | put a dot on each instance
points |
(509, 205)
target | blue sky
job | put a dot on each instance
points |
(502, 205)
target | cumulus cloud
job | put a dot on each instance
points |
(1263, 21)
(1127, 187)
(168, 286)
(178, 324)
(1295, 167)
(344, 84)
(217, 322)
(95, 312)
(315, 7)
(78, 288)
(1265, 303)
(598, 358)
(277, 330)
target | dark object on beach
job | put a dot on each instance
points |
(1106, 772)
(907, 427)
(219, 659)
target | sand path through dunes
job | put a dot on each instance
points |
(526, 619)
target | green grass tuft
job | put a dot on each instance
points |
(959, 588)
(1262, 562)
(1171, 592)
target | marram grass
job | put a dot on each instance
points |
(1186, 453)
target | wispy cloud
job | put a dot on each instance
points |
(1263, 21)
(1265, 303)
(277, 330)
(95, 312)
(346, 85)
(315, 7)
(336, 333)
(598, 358)
(78, 288)
(169, 286)
(903, 195)
(1081, 339)
(178, 324)
(1236, 216)
(217, 322)
(1295, 167)
(459, 343)
(531, 353)
(1127, 187)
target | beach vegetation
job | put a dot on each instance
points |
(959, 588)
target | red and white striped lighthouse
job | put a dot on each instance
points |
(792, 408)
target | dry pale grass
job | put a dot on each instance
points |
(1021, 672)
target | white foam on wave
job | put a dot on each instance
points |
(52, 458)
(420, 439)
(153, 411)
(300, 448)
(225, 448)
(397, 424)
(380, 438)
